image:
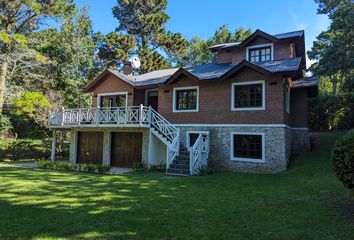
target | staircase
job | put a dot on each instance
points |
(180, 165)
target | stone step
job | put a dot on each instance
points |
(183, 162)
(182, 157)
(179, 166)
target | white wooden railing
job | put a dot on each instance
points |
(130, 116)
(199, 153)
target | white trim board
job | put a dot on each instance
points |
(233, 94)
(99, 95)
(251, 160)
(241, 125)
(174, 99)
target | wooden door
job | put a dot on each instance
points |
(153, 99)
(90, 147)
(126, 148)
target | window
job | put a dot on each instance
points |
(260, 53)
(248, 96)
(107, 100)
(248, 147)
(186, 99)
(192, 137)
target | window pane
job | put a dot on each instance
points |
(186, 99)
(248, 96)
(247, 146)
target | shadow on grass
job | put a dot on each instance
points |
(37, 203)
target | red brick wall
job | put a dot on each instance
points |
(215, 102)
(113, 84)
(236, 55)
(298, 111)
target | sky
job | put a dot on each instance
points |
(202, 17)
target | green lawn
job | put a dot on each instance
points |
(297, 204)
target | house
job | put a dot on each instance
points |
(245, 112)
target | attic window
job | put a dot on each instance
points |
(260, 53)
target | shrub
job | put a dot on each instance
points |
(138, 166)
(67, 166)
(5, 125)
(29, 149)
(4, 148)
(206, 170)
(343, 160)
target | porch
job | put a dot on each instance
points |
(120, 136)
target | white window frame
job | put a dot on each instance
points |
(99, 95)
(146, 94)
(233, 108)
(193, 132)
(251, 160)
(174, 107)
(271, 45)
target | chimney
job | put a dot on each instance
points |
(292, 50)
(128, 68)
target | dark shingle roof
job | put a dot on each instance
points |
(209, 71)
(278, 36)
(305, 82)
(283, 65)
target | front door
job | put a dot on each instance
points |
(126, 148)
(90, 147)
(153, 99)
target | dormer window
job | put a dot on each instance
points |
(260, 53)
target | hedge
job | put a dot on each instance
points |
(343, 160)
(67, 166)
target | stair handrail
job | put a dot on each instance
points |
(196, 154)
(162, 125)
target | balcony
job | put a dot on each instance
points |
(131, 116)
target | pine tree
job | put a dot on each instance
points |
(141, 31)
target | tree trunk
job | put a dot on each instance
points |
(334, 85)
(3, 72)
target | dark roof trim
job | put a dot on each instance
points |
(180, 72)
(102, 76)
(257, 33)
(305, 82)
(241, 65)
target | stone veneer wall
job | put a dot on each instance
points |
(301, 140)
(278, 142)
(107, 142)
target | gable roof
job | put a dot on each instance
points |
(199, 72)
(258, 32)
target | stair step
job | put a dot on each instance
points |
(179, 166)
(176, 174)
(183, 152)
(183, 162)
(182, 157)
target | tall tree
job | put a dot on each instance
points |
(18, 18)
(198, 51)
(334, 48)
(141, 31)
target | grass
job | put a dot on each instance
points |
(296, 204)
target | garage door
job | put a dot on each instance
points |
(126, 148)
(90, 147)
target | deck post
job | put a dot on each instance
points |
(54, 143)
(97, 115)
(141, 108)
(62, 116)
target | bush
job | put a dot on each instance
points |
(206, 170)
(29, 149)
(5, 125)
(138, 166)
(343, 160)
(4, 148)
(69, 167)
